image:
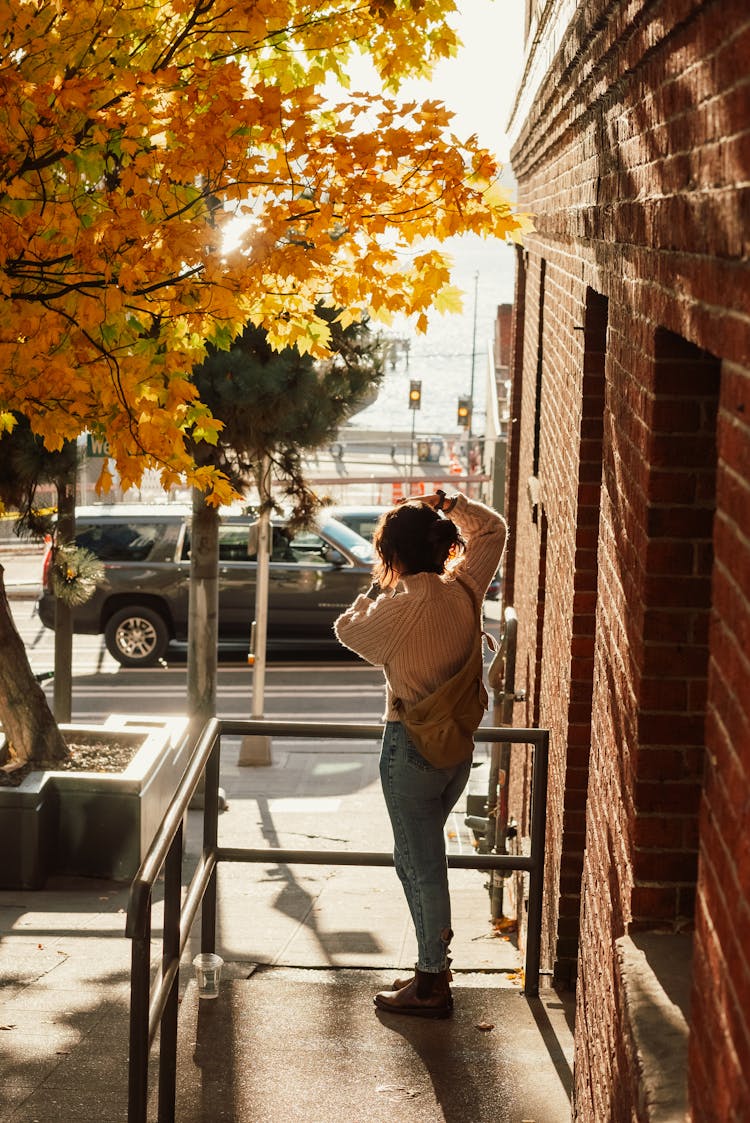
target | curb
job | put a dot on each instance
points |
(23, 592)
(11, 548)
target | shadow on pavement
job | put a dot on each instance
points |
(289, 1044)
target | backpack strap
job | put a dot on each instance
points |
(491, 641)
(474, 599)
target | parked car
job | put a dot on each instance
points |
(142, 604)
(364, 521)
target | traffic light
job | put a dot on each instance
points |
(415, 394)
(464, 412)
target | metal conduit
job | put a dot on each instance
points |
(154, 1008)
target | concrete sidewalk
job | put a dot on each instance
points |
(293, 1034)
(22, 570)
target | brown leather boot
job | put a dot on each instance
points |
(399, 984)
(427, 995)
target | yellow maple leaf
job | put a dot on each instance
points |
(104, 483)
(449, 299)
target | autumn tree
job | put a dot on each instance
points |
(274, 406)
(281, 404)
(171, 170)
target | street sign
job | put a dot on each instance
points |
(97, 447)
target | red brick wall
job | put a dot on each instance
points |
(633, 156)
(719, 1051)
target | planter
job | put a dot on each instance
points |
(93, 824)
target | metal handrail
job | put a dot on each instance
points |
(154, 1007)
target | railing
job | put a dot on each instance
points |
(155, 1007)
(492, 826)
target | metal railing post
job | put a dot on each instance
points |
(210, 840)
(170, 956)
(536, 873)
(500, 841)
(140, 963)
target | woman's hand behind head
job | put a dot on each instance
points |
(431, 500)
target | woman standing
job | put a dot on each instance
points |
(419, 623)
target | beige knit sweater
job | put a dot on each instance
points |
(422, 633)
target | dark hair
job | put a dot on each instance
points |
(414, 538)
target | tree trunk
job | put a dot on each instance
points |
(203, 611)
(31, 730)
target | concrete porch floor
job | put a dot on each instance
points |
(308, 1045)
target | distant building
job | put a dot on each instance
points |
(628, 494)
(495, 441)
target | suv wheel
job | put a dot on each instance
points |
(137, 636)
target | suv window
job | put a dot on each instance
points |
(234, 544)
(309, 547)
(123, 541)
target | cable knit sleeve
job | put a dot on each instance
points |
(485, 532)
(373, 629)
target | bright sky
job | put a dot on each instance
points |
(480, 84)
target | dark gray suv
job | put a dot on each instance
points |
(142, 604)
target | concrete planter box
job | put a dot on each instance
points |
(92, 824)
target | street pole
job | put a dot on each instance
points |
(62, 698)
(415, 403)
(473, 354)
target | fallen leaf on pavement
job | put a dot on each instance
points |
(397, 1088)
(485, 1026)
(505, 924)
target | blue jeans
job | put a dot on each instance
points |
(419, 799)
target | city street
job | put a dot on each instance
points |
(328, 688)
(332, 687)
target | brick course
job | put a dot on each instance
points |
(631, 573)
